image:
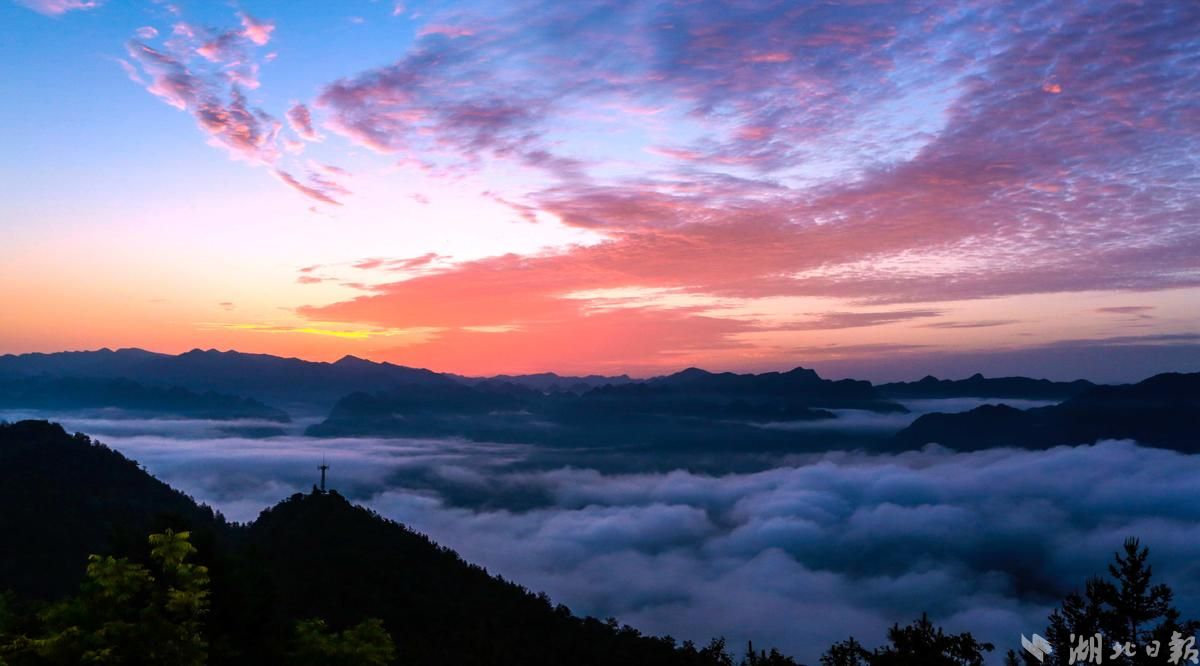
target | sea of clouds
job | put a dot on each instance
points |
(795, 551)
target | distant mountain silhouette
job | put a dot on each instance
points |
(1162, 411)
(286, 382)
(69, 393)
(782, 390)
(691, 409)
(100, 363)
(63, 497)
(978, 386)
(549, 382)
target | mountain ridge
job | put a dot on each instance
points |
(1161, 411)
(311, 555)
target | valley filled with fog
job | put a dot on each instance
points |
(791, 550)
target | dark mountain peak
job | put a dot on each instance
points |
(23, 432)
(997, 409)
(691, 373)
(294, 507)
(1181, 383)
(352, 361)
(70, 497)
(547, 382)
(92, 363)
(532, 376)
(803, 373)
(978, 386)
(1170, 387)
(205, 355)
(1162, 411)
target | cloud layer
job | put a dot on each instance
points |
(792, 551)
(58, 7)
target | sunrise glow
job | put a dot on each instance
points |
(494, 187)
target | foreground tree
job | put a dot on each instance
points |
(1127, 610)
(126, 613)
(846, 653)
(766, 658)
(365, 644)
(918, 643)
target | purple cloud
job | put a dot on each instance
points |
(59, 7)
(207, 74)
(301, 121)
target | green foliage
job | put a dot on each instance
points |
(74, 497)
(365, 644)
(132, 614)
(126, 613)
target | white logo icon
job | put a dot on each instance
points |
(1037, 646)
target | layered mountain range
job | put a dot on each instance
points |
(691, 409)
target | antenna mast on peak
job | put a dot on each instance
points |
(323, 467)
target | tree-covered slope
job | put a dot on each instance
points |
(1162, 411)
(64, 497)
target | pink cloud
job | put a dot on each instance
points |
(207, 74)
(1009, 187)
(776, 57)
(59, 7)
(415, 262)
(301, 121)
(628, 340)
(258, 32)
(225, 47)
(840, 320)
(317, 190)
(247, 133)
(446, 30)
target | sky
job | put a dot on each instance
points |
(868, 188)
